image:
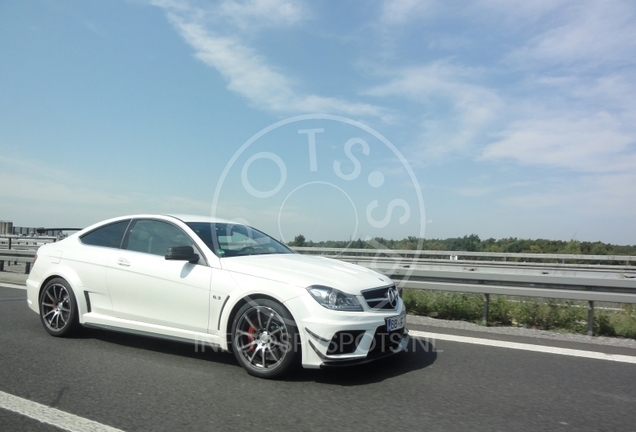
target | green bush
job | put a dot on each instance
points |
(551, 315)
(533, 313)
(622, 323)
(501, 311)
(459, 306)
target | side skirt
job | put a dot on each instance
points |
(202, 340)
(152, 335)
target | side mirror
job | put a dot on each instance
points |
(182, 253)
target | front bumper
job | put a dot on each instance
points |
(383, 348)
(336, 338)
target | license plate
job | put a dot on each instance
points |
(396, 322)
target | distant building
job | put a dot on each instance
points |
(34, 232)
(6, 228)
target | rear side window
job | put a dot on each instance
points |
(106, 236)
(155, 237)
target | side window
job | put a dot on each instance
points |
(106, 236)
(155, 237)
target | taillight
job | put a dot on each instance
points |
(34, 259)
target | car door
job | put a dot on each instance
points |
(146, 287)
(89, 261)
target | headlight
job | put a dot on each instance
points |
(334, 299)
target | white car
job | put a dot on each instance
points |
(218, 284)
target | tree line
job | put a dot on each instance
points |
(473, 243)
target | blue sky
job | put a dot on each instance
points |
(433, 118)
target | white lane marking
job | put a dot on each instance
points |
(52, 416)
(9, 285)
(526, 347)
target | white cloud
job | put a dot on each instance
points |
(589, 33)
(606, 195)
(516, 11)
(504, 13)
(470, 107)
(250, 14)
(593, 144)
(247, 72)
(399, 12)
(614, 91)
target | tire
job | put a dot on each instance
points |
(58, 308)
(265, 339)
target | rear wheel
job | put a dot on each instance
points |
(265, 338)
(58, 308)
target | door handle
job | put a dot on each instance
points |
(123, 262)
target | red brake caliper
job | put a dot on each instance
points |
(251, 337)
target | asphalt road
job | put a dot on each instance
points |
(143, 384)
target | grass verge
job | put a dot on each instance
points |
(548, 314)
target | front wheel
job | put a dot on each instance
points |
(58, 308)
(265, 338)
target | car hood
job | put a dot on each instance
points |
(305, 270)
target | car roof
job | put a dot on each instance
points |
(197, 218)
(182, 217)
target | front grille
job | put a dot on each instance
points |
(385, 342)
(378, 298)
(345, 342)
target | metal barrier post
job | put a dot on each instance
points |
(486, 308)
(1, 265)
(590, 318)
(27, 268)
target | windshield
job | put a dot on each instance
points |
(230, 240)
